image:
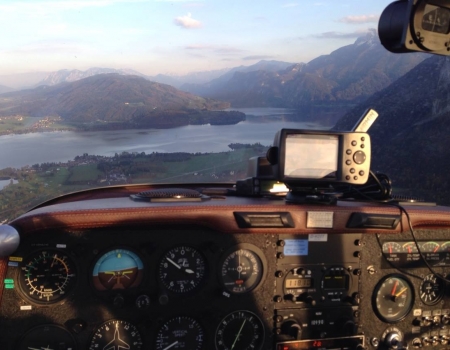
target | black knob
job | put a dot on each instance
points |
(290, 297)
(292, 328)
(392, 340)
(301, 271)
(306, 298)
(349, 328)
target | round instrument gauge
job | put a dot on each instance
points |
(445, 247)
(47, 337)
(409, 248)
(117, 269)
(392, 247)
(47, 276)
(240, 330)
(430, 247)
(180, 333)
(241, 268)
(431, 290)
(393, 298)
(182, 269)
(116, 334)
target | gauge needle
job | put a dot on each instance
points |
(394, 288)
(237, 337)
(173, 263)
(189, 271)
(401, 292)
(171, 345)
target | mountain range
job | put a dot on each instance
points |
(104, 97)
(68, 76)
(4, 89)
(346, 76)
(410, 136)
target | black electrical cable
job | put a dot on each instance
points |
(430, 268)
(403, 210)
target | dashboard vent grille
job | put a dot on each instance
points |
(252, 220)
(170, 195)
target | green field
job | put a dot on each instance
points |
(38, 184)
(13, 124)
(84, 173)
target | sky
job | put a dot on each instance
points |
(175, 37)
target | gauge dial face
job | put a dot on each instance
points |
(430, 247)
(445, 247)
(47, 276)
(240, 330)
(393, 298)
(180, 333)
(392, 247)
(116, 334)
(117, 269)
(182, 269)
(431, 289)
(241, 270)
(47, 337)
(409, 247)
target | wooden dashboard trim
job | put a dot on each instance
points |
(218, 215)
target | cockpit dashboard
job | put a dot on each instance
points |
(98, 270)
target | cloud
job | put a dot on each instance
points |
(360, 19)
(257, 57)
(339, 35)
(187, 22)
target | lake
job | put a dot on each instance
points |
(260, 126)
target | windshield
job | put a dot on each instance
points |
(107, 92)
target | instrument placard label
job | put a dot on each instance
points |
(319, 219)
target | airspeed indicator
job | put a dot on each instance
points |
(47, 276)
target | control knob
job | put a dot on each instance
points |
(292, 328)
(393, 338)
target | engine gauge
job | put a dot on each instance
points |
(182, 269)
(47, 276)
(392, 247)
(180, 333)
(393, 298)
(116, 334)
(445, 247)
(240, 330)
(431, 290)
(430, 247)
(117, 269)
(409, 247)
(47, 336)
(242, 268)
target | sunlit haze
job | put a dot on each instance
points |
(175, 37)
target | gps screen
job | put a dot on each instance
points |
(311, 156)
